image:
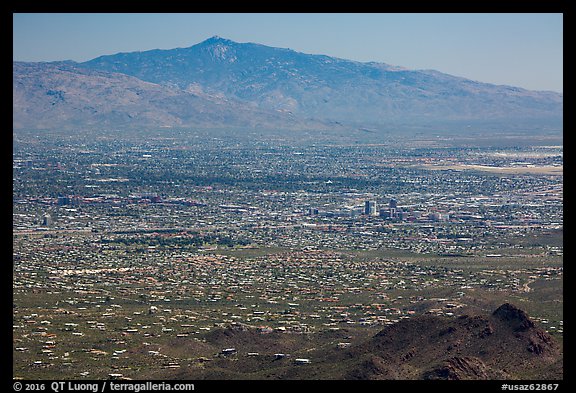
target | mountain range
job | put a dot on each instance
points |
(222, 83)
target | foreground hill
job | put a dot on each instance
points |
(503, 345)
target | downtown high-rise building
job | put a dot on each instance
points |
(370, 208)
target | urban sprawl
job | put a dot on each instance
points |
(124, 245)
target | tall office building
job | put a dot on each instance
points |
(393, 208)
(370, 208)
(47, 220)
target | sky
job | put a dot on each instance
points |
(517, 49)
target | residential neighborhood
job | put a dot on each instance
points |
(125, 250)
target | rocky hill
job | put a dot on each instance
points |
(503, 345)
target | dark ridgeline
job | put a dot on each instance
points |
(503, 345)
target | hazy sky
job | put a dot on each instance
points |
(524, 50)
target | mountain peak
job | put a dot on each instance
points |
(216, 39)
(219, 49)
(516, 317)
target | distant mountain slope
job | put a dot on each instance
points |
(65, 95)
(329, 88)
(221, 83)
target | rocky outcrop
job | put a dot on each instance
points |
(516, 318)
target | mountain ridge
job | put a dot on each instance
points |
(503, 345)
(283, 85)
